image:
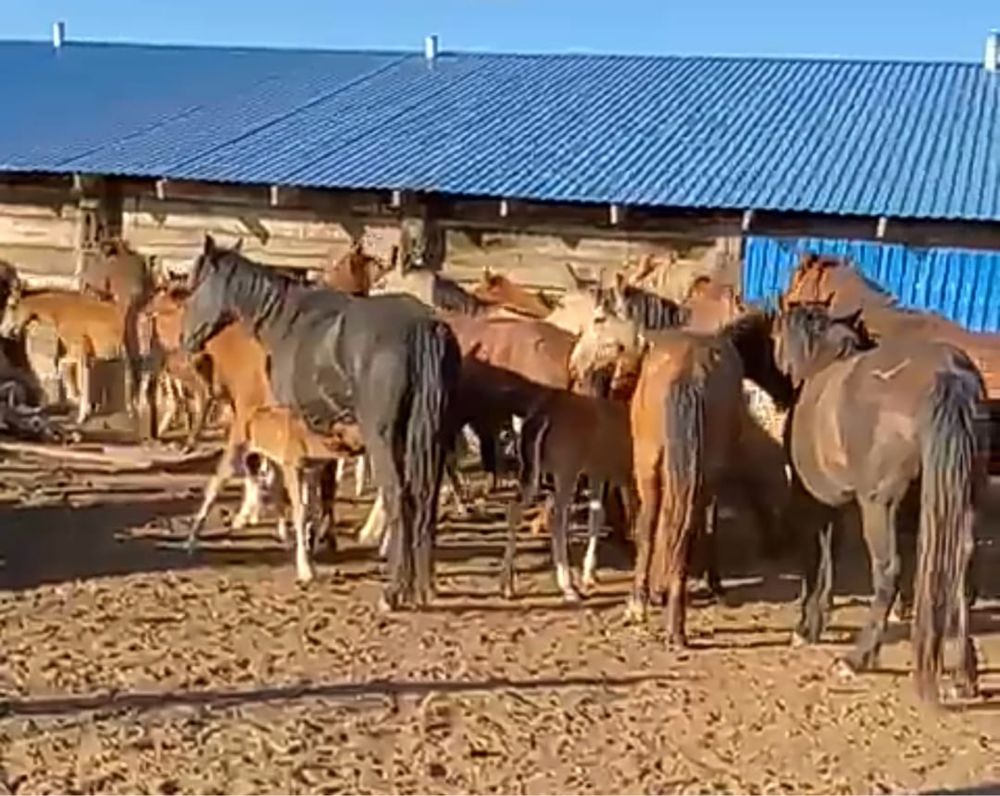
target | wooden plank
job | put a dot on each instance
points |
(42, 260)
(48, 231)
(112, 458)
(67, 212)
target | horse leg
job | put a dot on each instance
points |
(648, 485)
(879, 526)
(328, 498)
(399, 588)
(515, 512)
(204, 400)
(595, 521)
(458, 490)
(297, 484)
(249, 513)
(562, 499)
(710, 545)
(83, 387)
(360, 471)
(223, 471)
(277, 490)
(374, 528)
(967, 670)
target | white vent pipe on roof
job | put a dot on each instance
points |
(992, 61)
(58, 34)
(430, 47)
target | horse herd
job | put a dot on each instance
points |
(641, 396)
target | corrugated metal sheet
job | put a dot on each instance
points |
(959, 284)
(849, 137)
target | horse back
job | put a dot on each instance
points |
(604, 451)
(533, 349)
(239, 364)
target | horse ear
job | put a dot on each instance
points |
(238, 246)
(828, 301)
(851, 320)
(621, 280)
(357, 246)
(210, 247)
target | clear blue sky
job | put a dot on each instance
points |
(917, 29)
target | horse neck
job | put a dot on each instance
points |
(266, 307)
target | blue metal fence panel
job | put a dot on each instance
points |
(960, 284)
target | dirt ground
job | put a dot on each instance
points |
(126, 666)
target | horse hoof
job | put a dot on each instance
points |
(798, 640)
(845, 670)
(571, 596)
(304, 576)
(635, 612)
(676, 642)
(589, 582)
(388, 604)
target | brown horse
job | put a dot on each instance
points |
(497, 289)
(552, 444)
(894, 428)
(87, 328)
(121, 275)
(685, 419)
(279, 435)
(185, 379)
(847, 290)
(356, 271)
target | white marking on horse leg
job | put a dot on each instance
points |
(374, 527)
(360, 471)
(594, 521)
(250, 508)
(83, 376)
(341, 469)
(298, 492)
(517, 424)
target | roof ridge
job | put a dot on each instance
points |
(390, 51)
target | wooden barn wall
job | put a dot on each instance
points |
(41, 239)
(173, 231)
(540, 260)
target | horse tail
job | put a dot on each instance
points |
(683, 473)
(949, 455)
(434, 368)
(530, 444)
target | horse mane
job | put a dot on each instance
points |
(649, 310)
(447, 294)
(750, 334)
(810, 328)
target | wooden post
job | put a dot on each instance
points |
(423, 242)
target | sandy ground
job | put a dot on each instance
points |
(125, 666)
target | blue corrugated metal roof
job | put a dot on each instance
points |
(849, 137)
(959, 284)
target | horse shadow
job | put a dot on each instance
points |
(54, 544)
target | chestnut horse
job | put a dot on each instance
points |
(87, 328)
(897, 428)
(685, 420)
(121, 275)
(497, 289)
(356, 271)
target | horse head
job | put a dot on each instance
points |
(712, 305)
(607, 343)
(808, 338)
(209, 306)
